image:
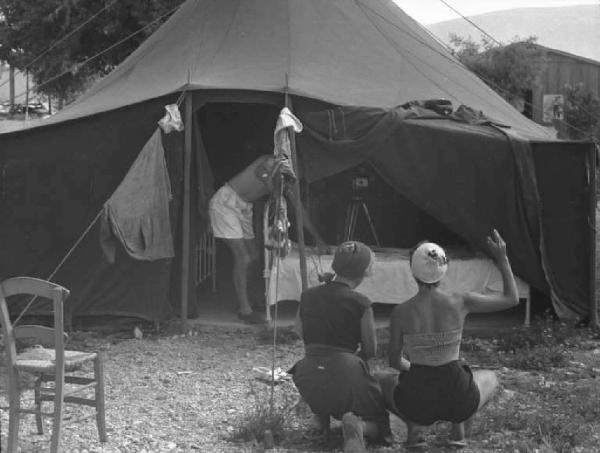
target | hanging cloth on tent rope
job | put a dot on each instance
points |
(137, 213)
(171, 121)
(281, 137)
(276, 218)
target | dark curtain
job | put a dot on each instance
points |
(470, 177)
(54, 182)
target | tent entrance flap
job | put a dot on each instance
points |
(230, 135)
(471, 178)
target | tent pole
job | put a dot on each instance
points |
(592, 221)
(299, 214)
(185, 242)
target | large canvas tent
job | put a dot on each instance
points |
(469, 175)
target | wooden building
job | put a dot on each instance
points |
(561, 68)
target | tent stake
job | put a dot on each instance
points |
(185, 242)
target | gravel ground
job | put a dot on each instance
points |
(177, 393)
(193, 393)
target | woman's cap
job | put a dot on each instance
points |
(352, 259)
(429, 263)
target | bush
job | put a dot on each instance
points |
(263, 415)
(563, 434)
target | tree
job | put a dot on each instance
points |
(582, 113)
(28, 28)
(510, 70)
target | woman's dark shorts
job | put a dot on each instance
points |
(427, 394)
(333, 383)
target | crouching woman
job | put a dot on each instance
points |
(427, 329)
(337, 327)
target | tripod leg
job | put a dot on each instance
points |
(353, 220)
(351, 216)
(371, 225)
(347, 224)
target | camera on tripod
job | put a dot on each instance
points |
(360, 182)
(360, 185)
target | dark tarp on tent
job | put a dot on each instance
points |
(56, 174)
(473, 178)
(54, 181)
(469, 177)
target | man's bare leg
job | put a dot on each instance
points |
(487, 383)
(241, 262)
(252, 270)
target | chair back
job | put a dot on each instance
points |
(43, 335)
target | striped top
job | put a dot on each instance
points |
(433, 348)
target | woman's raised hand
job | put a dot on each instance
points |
(497, 245)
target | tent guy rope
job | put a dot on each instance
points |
(448, 58)
(60, 264)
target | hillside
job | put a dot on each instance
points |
(574, 29)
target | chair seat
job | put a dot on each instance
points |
(42, 360)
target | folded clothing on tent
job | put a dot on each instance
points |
(137, 213)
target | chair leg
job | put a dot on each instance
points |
(59, 388)
(100, 410)
(38, 405)
(14, 411)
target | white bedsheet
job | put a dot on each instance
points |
(391, 281)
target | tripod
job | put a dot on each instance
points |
(356, 204)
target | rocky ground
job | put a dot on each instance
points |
(198, 392)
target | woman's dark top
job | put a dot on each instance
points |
(331, 315)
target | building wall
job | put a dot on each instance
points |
(562, 69)
(20, 84)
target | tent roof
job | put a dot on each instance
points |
(345, 52)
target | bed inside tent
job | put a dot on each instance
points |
(233, 134)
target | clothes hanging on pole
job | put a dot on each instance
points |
(137, 213)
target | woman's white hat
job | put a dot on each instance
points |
(429, 263)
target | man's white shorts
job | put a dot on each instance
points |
(230, 216)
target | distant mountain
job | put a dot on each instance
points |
(573, 29)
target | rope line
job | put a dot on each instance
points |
(459, 64)
(500, 44)
(61, 40)
(472, 23)
(60, 264)
(395, 46)
(102, 52)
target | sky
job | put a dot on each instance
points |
(431, 11)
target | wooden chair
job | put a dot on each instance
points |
(49, 365)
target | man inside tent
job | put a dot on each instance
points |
(231, 210)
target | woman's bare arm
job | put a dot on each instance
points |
(396, 342)
(298, 324)
(479, 303)
(368, 342)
